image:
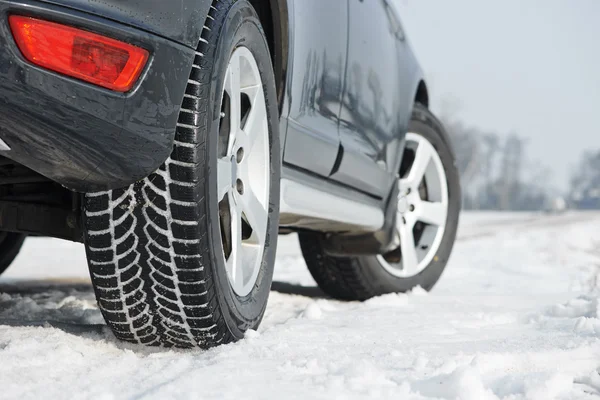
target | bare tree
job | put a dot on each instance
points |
(585, 181)
(492, 168)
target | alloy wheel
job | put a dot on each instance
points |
(243, 171)
(422, 209)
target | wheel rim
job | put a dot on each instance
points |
(422, 209)
(243, 171)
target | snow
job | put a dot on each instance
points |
(515, 316)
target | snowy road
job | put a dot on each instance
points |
(514, 317)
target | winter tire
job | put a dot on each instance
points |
(185, 257)
(428, 210)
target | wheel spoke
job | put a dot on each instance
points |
(239, 275)
(224, 178)
(410, 262)
(256, 124)
(236, 259)
(423, 156)
(432, 213)
(232, 87)
(256, 215)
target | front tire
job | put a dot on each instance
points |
(429, 207)
(185, 257)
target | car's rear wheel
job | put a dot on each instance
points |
(427, 220)
(185, 257)
(10, 246)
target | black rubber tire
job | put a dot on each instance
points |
(10, 246)
(360, 278)
(154, 249)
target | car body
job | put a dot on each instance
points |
(90, 138)
(347, 88)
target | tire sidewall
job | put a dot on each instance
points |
(242, 28)
(429, 128)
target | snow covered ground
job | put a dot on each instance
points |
(516, 316)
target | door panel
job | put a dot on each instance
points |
(377, 100)
(318, 50)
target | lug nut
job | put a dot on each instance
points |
(240, 155)
(411, 207)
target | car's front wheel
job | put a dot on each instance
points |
(427, 220)
(185, 257)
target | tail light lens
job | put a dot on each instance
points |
(80, 54)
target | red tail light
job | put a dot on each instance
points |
(77, 53)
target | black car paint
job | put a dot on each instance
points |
(178, 20)
(352, 86)
(380, 86)
(317, 66)
(334, 130)
(81, 136)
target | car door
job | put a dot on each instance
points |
(318, 53)
(377, 99)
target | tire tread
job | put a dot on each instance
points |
(147, 299)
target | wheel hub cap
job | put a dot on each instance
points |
(402, 205)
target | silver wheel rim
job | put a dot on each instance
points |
(422, 210)
(243, 171)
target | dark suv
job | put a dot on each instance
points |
(176, 140)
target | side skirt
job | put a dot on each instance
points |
(310, 202)
(353, 223)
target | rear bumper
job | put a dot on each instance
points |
(79, 135)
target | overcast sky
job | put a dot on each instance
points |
(528, 66)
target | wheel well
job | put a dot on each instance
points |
(422, 95)
(273, 15)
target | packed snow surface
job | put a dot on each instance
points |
(515, 316)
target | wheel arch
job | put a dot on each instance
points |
(273, 15)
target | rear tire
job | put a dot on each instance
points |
(360, 278)
(156, 250)
(10, 246)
